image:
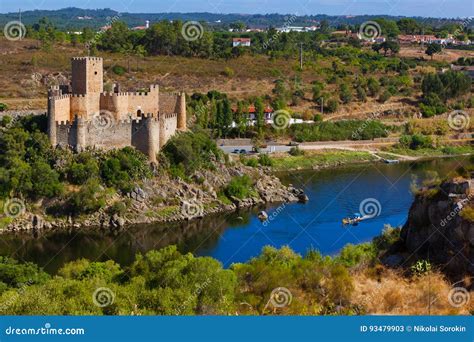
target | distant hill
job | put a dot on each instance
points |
(75, 18)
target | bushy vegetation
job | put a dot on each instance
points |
(439, 88)
(31, 169)
(167, 282)
(240, 187)
(187, 152)
(340, 130)
(415, 141)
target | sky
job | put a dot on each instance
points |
(424, 8)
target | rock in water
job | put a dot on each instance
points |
(263, 216)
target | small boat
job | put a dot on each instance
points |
(352, 221)
(391, 161)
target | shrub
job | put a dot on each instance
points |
(240, 187)
(16, 275)
(421, 267)
(229, 72)
(318, 118)
(84, 167)
(385, 96)
(296, 151)
(332, 105)
(118, 208)
(191, 150)
(265, 160)
(252, 162)
(118, 70)
(416, 141)
(121, 167)
(353, 255)
(3, 107)
(90, 198)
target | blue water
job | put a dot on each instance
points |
(317, 224)
(239, 236)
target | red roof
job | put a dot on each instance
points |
(241, 40)
(251, 109)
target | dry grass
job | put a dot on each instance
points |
(447, 55)
(393, 294)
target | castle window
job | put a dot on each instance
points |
(95, 73)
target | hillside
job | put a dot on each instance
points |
(70, 18)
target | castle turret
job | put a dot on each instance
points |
(153, 137)
(52, 121)
(81, 134)
(182, 112)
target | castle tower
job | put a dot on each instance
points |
(87, 75)
(182, 112)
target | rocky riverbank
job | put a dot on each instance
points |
(440, 229)
(163, 199)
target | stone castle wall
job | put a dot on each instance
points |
(143, 120)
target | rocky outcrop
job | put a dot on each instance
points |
(169, 200)
(438, 230)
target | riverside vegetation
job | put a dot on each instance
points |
(166, 282)
(389, 275)
(59, 188)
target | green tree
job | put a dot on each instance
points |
(433, 49)
(259, 115)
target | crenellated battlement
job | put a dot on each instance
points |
(170, 115)
(98, 59)
(59, 97)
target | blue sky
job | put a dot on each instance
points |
(425, 8)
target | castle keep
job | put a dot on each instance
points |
(82, 114)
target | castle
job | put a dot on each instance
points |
(82, 115)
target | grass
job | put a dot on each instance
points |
(431, 152)
(5, 221)
(320, 159)
(167, 211)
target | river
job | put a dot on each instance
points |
(239, 236)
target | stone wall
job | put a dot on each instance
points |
(169, 103)
(170, 126)
(60, 107)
